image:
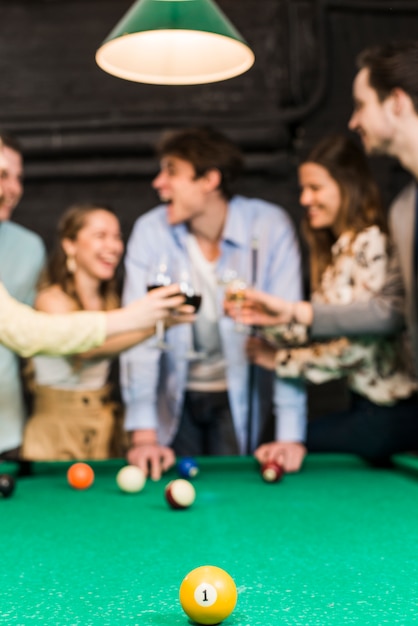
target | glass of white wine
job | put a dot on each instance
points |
(235, 288)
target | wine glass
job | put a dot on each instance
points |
(235, 287)
(158, 276)
(190, 288)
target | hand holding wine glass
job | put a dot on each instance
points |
(264, 309)
(158, 304)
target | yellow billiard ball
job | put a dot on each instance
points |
(208, 594)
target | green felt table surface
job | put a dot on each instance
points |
(335, 544)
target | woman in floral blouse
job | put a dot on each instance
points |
(345, 228)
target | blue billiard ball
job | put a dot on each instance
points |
(187, 468)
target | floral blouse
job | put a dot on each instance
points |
(373, 365)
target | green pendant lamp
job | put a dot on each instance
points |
(174, 42)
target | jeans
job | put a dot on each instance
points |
(206, 426)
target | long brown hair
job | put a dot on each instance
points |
(57, 272)
(361, 204)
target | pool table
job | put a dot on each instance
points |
(335, 544)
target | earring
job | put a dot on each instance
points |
(71, 264)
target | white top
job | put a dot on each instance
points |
(71, 372)
(207, 374)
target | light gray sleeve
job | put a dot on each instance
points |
(382, 315)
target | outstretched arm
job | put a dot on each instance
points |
(29, 332)
(145, 311)
(264, 309)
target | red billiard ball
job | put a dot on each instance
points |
(7, 485)
(208, 594)
(80, 476)
(180, 494)
(271, 471)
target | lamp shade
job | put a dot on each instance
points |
(174, 42)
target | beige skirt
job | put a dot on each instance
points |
(69, 424)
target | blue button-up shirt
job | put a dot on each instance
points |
(153, 384)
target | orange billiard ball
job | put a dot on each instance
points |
(208, 595)
(80, 476)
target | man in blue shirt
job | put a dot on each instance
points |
(22, 256)
(192, 407)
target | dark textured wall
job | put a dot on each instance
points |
(89, 136)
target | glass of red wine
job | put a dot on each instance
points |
(158, 276)
(190, 288)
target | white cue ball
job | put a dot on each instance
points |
(180, 494)
(131, 479)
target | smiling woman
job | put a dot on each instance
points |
(80, 276)
(320, 195)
